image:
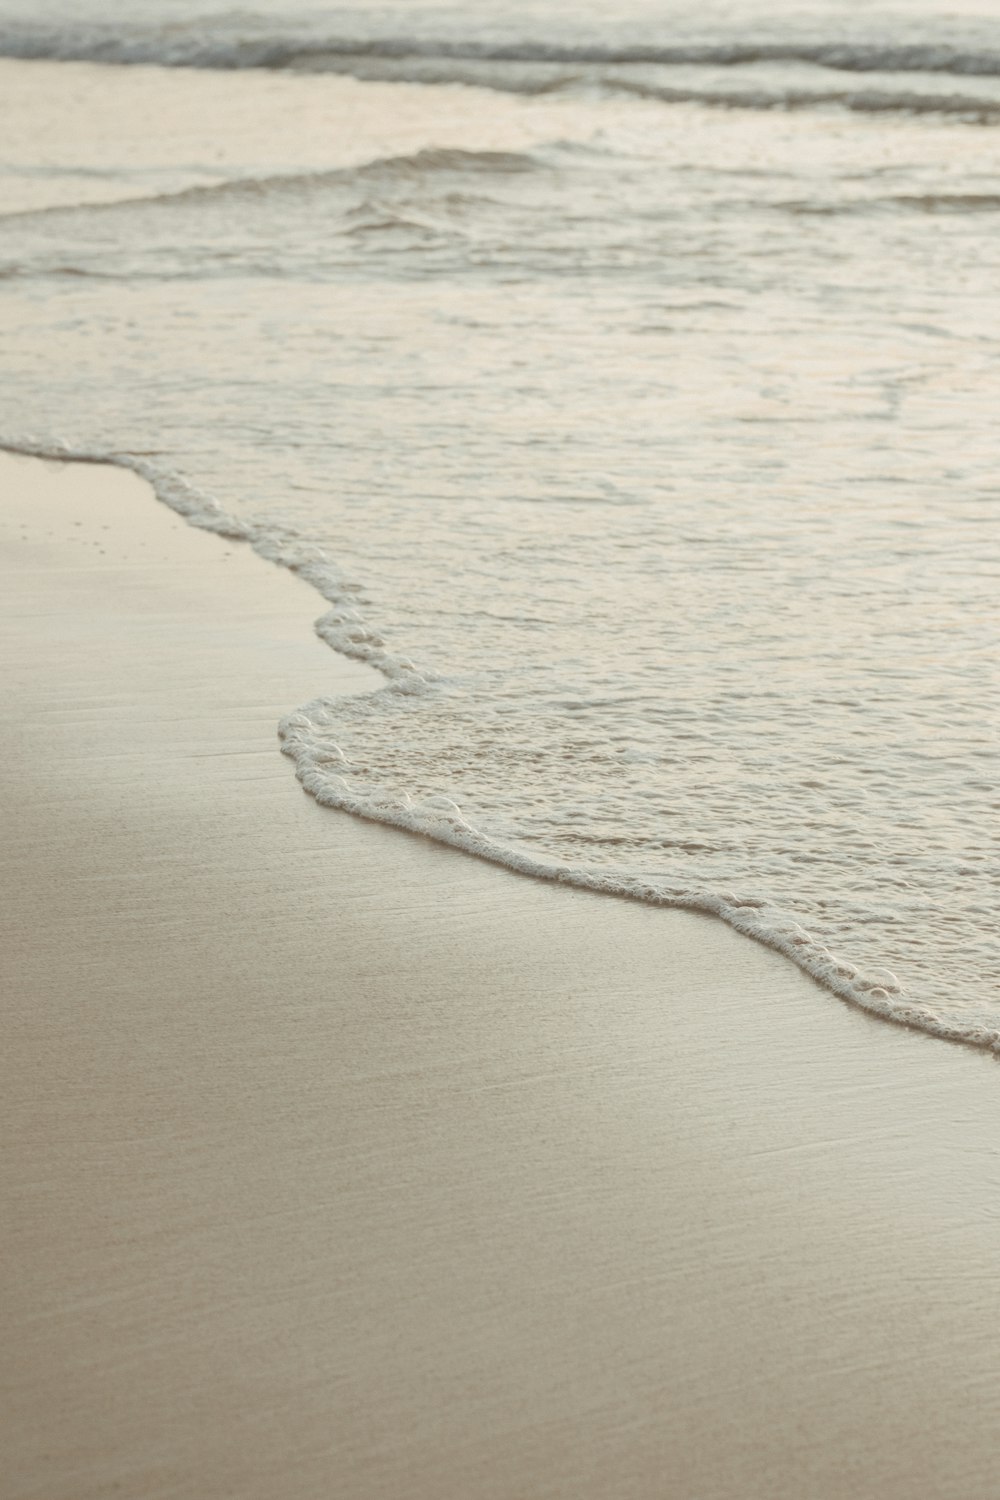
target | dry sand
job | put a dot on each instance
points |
(337, 1164)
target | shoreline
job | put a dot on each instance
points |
(341, 1163)
(877, 993)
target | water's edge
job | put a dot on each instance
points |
(439, 818)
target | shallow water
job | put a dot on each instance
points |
(647, 446)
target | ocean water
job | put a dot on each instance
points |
(627, 388)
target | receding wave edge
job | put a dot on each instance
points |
(441, 819)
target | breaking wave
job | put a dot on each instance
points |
(384, 169)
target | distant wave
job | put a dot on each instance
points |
(392, 174)
(927, 203)
(426, 163)
(245, 43)
(858, 101)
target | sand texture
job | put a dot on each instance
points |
(339, 1164)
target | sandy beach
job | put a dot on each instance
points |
(340, 1164)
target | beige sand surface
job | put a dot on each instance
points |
(337, 1164)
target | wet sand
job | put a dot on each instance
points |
(340, 1164)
